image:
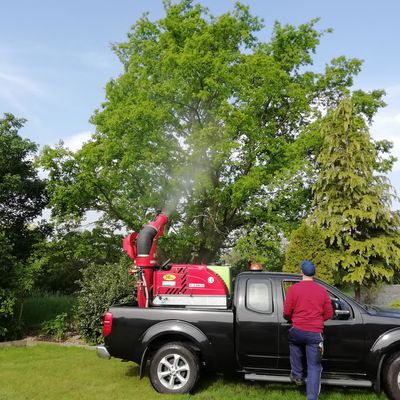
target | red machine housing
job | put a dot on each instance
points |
(189, 285)
(175, 284)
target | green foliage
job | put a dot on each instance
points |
(62, 259)
(18, 178)
(40, 307)
(57, 327)
(203, 121)
(261, 244)
(308, 243)
(352, 202)
(395, 304)
(7, 307)
(22, 198)
(101, 287)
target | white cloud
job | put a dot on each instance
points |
(19, 82)
(20, 93)
(387, 123)
(387, 126)
(76, 141)
(15, 90)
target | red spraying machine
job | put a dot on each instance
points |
(173, 284)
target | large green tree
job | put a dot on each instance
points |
(202, 122)
(352, 201)
(22, 198)
(62, 258)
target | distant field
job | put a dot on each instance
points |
(53, 372)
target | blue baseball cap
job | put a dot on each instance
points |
(308, 268)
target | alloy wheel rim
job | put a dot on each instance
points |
(173, 371)
(398, 380)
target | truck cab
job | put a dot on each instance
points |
(362, 344)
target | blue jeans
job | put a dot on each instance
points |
(309, 345)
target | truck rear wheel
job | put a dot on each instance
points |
(391, 377)
(174, 369)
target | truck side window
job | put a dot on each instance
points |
(337, 303)
(286, 286)
(259, 295)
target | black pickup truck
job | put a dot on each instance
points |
(362, 343)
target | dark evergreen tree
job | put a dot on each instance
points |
(352, 200)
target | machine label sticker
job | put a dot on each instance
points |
(196, 285)
(169, 283)
(210, 279)
(169, 277)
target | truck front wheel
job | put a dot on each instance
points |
(174, 369)
(391, 376)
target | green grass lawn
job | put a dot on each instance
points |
(52, 372)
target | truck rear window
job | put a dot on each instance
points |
(259, 296)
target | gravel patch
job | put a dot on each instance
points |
(73, 341)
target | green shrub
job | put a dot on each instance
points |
(7, 305)
(101, 287)
(57, 327)
(395, 304)
(40, 307)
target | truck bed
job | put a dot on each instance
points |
(131, 324)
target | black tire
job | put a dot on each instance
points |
(174, 368)
(391, 377)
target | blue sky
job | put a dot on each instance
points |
(55, 56)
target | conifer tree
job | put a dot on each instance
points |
(307, 243)
(353, 202)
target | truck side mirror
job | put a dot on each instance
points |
(342, 314)
(341, 309)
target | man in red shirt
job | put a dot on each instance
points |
(307, 306)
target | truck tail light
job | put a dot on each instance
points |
(107, 324)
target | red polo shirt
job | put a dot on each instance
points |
(308, 305)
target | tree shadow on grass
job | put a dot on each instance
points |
(208, 379)
(287, 390)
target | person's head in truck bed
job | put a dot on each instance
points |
(255, 266)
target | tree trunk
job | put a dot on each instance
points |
(357, 292)
(206, 255)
